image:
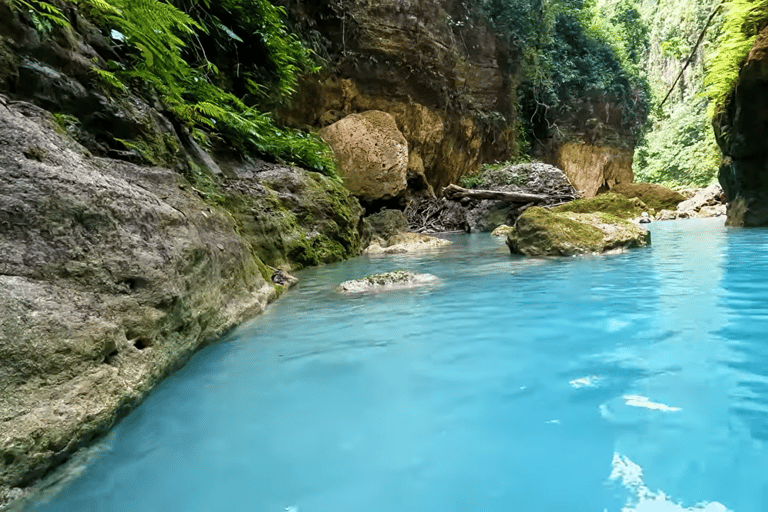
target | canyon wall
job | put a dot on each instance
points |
(741, 129)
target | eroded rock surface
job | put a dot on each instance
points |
(372, 155)
(594, 168)
(706, 202)
(741, 129)
(111, 276)
(394, 280)
(405, 243)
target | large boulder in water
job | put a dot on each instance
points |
(541, 232)
(372, 155)
(656, 197)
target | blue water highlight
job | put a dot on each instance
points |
(635, 382)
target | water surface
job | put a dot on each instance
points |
(632, 382)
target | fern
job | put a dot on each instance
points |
(43, 15)
(154, 41)
(743, 20)
(108, 79)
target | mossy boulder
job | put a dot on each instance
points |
(613, 204)
(656, 197)
(541, 232)
(292, 218)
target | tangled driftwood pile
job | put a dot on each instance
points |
(499, 197)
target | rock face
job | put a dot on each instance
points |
(395, 280)
(111, 276)
(372, 155)
(741, 129)
(540, 232)
(593, 168)
(290, 217)
(446, 84)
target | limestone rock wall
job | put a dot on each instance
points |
(593, 168)
(741, 129)
(111, 276)
(445, 80)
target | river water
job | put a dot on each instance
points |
(635, 382)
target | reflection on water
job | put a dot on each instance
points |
(633, 382)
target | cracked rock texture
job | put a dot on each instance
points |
(111, 276)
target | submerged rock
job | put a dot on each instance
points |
(397, 279)
(541, 232)
(405, 243)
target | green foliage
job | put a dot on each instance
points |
(571, 51)
(153, 38)
(743, 20)
(681, 150)
(470, 181)
(43, 15)
(678, 147)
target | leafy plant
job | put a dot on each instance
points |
(43, 15)
(743, 20)
(163, 50)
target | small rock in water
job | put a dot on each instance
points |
(645, 218)
(283, 278)
(502, 230)
(387, 281)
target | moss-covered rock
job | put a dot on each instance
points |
(291, 217)
(656, 197)
(541, 232)
(612, 204)
(396, 279)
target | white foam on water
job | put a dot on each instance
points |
(589, 381)
(645, 500)
(643, 401)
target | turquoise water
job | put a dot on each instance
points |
(634, 382)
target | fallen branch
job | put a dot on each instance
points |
(457, 193)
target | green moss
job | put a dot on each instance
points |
(557, 234)
(541, 232)
(656, 197)
(315, 223)
(614, 204)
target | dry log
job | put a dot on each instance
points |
(456, 193)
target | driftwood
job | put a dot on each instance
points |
(456, 193)
(437, 215)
